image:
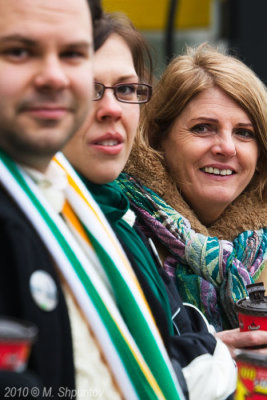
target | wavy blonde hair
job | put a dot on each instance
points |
(188, 75)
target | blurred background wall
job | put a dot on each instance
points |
(170, 25)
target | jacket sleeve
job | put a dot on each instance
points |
(211, 376)
(204, 363)
(208, 368)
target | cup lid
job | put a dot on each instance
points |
(255, 303)
(15, 329)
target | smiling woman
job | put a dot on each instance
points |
(200, 158)
(217, 150)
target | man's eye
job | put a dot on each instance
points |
(16, 53)
(73, 54)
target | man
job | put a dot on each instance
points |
(96, 335)
(46, 59)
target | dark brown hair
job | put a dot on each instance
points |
(119, 24)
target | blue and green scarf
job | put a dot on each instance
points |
(210, 273)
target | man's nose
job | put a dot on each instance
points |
(51, 74)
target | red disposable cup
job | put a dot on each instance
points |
(252, 375)
(16, 339)
(252, 310)
(249, 322)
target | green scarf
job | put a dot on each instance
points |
(114, 205)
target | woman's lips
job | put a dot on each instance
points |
(109, 144)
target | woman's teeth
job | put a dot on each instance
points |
(217, 171)
(110, 142)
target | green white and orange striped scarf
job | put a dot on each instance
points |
(129, 338)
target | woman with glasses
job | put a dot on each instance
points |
(99, 151)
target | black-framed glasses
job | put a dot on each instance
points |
(135, 93)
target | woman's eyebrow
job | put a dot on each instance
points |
(204, 119)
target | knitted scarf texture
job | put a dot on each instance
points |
(211, 273)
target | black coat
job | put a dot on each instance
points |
(21, 253)
(51, 360)
(51, 364)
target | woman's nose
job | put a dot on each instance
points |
(225, 145)
(108, 106)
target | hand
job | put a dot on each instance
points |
(234, 339)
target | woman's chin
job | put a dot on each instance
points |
(102, 179)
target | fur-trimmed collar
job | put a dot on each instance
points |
(247, 212)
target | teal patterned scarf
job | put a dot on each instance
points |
(210, 273)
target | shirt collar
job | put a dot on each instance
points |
(52, 184)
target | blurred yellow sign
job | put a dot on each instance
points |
(152, 14)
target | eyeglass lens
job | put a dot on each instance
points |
(130, 93)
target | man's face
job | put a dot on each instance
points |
(45, 76)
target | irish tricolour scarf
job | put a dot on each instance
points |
(119, 317)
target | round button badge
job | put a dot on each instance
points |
(44, 290)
